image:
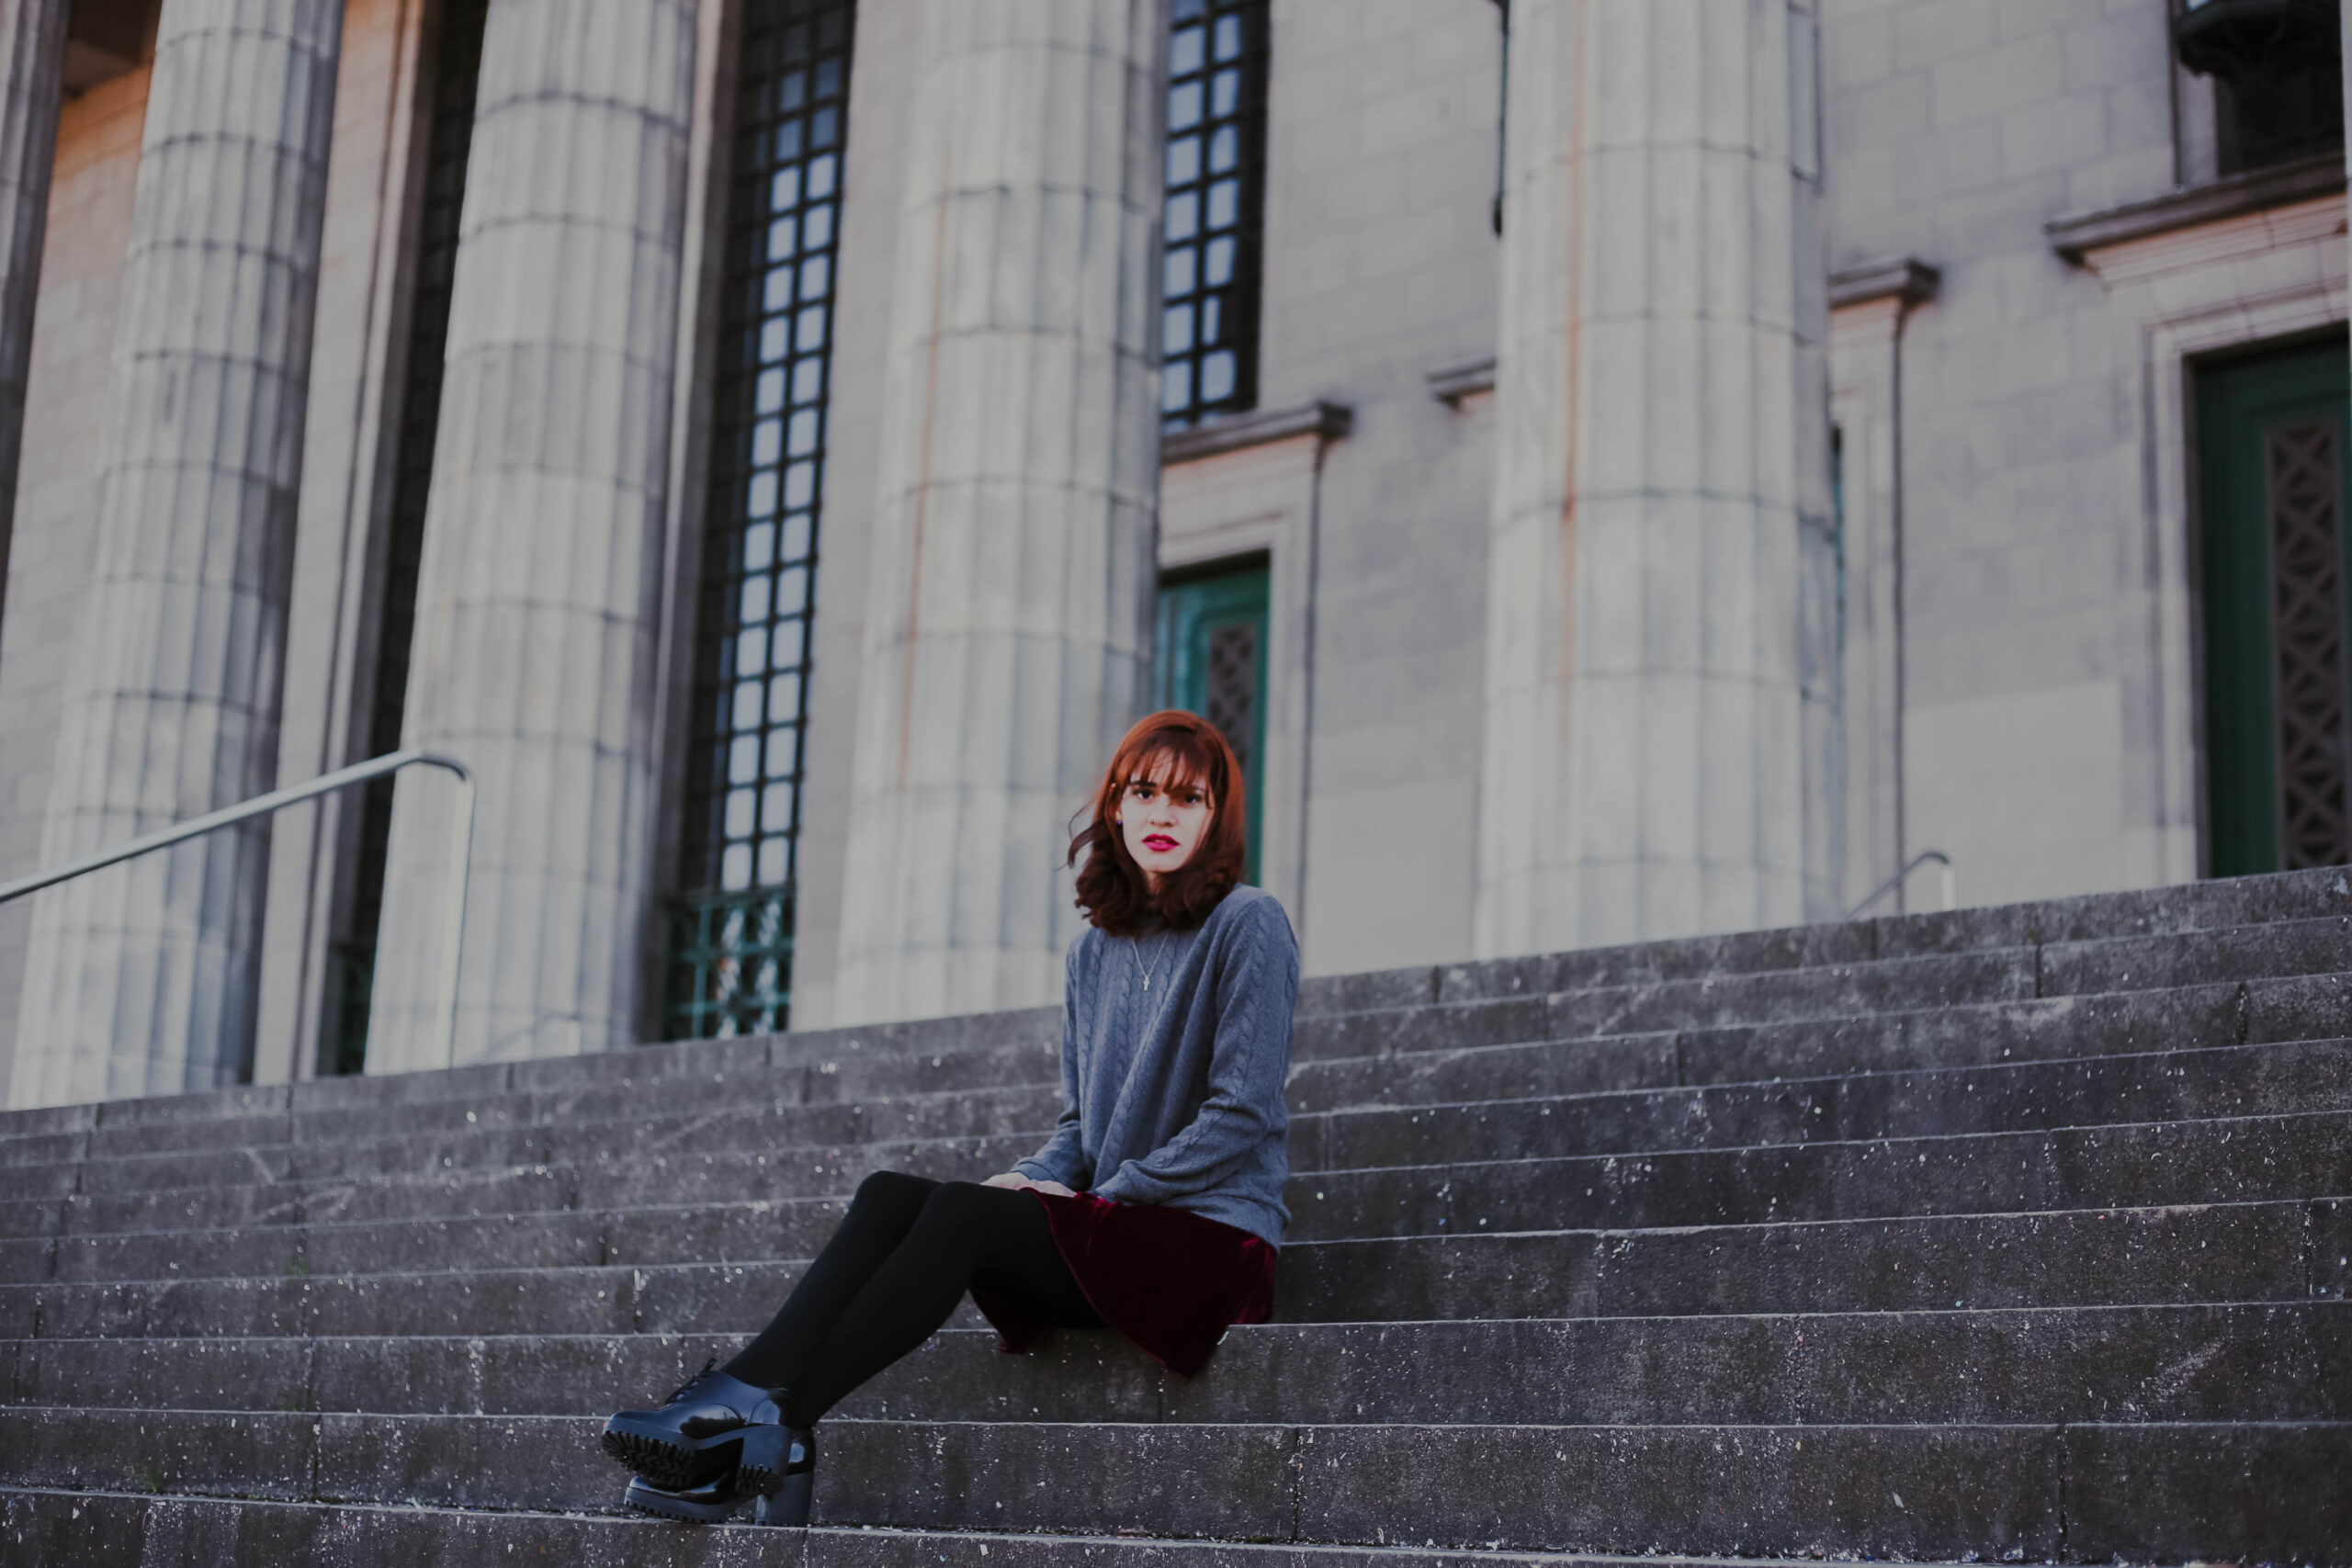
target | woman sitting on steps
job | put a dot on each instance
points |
(1156, 1207)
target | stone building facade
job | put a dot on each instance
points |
(1616, 468)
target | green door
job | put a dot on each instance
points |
(1212, 662)
(2273, 577)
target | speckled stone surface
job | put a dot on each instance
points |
(2019, 1237)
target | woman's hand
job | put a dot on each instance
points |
(1015, 1180)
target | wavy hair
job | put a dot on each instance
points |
(1170, 748)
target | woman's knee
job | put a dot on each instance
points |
(893, 1192)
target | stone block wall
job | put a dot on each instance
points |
(2037, 752)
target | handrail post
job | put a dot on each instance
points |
(453, 926)
(277, 800)
(1949, 881)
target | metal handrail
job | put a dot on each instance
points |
(461, 847)
(1951, 881)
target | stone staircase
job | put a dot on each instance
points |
(2009, 1235)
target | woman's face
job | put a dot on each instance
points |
(1162, 823)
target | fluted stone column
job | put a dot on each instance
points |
(140, 979)
(32, 70)
(539, 594)
(1660, 667)
(1008, 618)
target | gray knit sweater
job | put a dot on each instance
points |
(1173, 1094)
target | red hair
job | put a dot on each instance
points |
(1170, 748)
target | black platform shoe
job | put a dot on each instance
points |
(779, 1463)
(691, 1442)
(778, 1468)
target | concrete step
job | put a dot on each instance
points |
(1993, 1172)
(2241, 1251)
(45, 1526)
(2285, 1250)
(2139, 1489)
(895, 1051)
(2268, 927)
(872, 1082)
(2201, 1362)
(2281, 1251)
(2291, 949)
(2170, 1085)
(2177, 1085)
(1779, 1013)
(1393, 1058)
(2245, 1160)
(2173, 1086)
(2194, 908)
(1394, 1069)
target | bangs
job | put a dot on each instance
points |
(1167, 766)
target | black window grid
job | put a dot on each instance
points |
(1213, 222)
(768, 479)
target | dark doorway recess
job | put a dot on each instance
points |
(1210, 659)
(2276, 589)
(457, 73)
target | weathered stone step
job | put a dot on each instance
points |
(2173, 1363)
(932, 1090)
(2247, 1160)
(2166, 937)
(2170, 1085)
(2281, 1251)
(2306, 947)
(2134, 1490)
(1808, 995)
(694, 1298)
(44, 1526)
(408, 1138)
(1669, 1188)
(145, 1281)
(880, 1085)
(1403, 1066)
(2294, 964)
(2194, 908)
(886, 1051)
(2173, 1086)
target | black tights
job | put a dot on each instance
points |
(902, 1259)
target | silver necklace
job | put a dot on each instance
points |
(1148, 970)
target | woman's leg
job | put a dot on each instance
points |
(880, 1217)
(995, 1236)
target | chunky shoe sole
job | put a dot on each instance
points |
(669, 1462)
(647, 1498)
(777, 1476)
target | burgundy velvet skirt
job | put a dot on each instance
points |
(1172, 1283)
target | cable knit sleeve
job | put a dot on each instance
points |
(1063, 1159)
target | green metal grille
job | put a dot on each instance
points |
(730, 965)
